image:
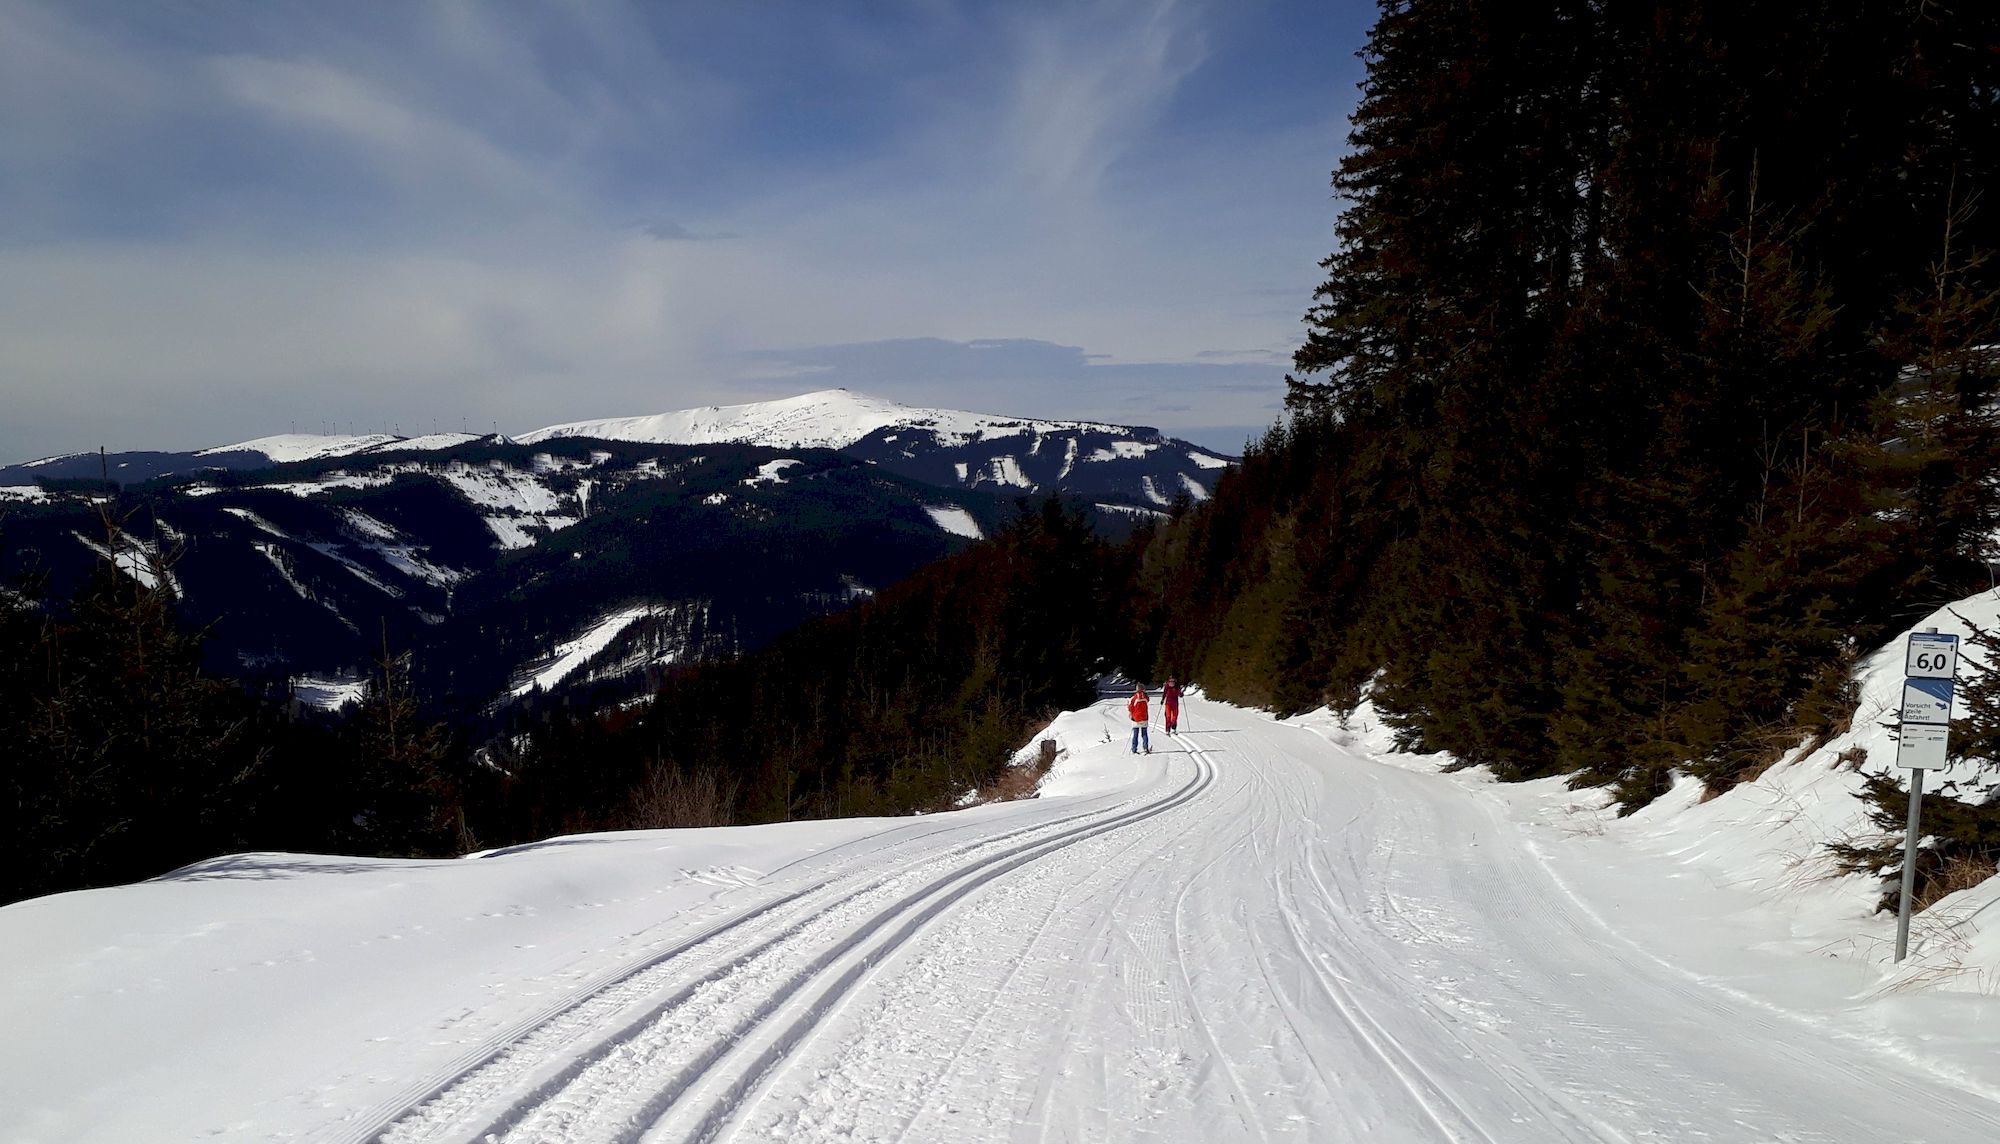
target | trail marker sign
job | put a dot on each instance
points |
(1922, 739)
(1931, 655)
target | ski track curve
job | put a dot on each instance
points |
(1263, 938)
(563, 1077)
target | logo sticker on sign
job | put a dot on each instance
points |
(1921, 746)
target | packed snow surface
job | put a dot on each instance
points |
(827, 419)
(1260, 931)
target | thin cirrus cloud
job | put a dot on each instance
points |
(217, 223)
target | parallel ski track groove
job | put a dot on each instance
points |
(383, 1115)
(1053, 834)
(1187, 984)
(1005, 987)
(722, 1108)
(596, 1003)
(1370, 1032)
(1780, 1029)
(1600, 1129)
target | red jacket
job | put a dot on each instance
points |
(1137, 706)
(1170, 698)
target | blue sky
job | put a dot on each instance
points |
(222, 220)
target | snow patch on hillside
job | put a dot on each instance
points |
(396, 550)
(369, 527)
(427, 443)
(516, 506)
(573, 654)
(1204, 460)
(1132, 510)
(955, 520)
(283, 564)
(285, 448)
(1003, 470)
(500, 487)
(772, 472)
(23, 493)
(516, 532)
(1123, 451)
(332, 552)
(319, 486)
(328, 693)
(263, 525)
(137, 558)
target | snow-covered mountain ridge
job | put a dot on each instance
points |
(825, 419)
(1019, 455)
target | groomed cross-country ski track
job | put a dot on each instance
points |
(1251, 934)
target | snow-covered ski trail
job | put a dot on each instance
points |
(719, 1011)
(1266, 939)
(1252, 934)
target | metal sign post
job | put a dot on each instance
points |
(1929, 663)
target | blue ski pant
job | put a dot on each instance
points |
(1140, 737)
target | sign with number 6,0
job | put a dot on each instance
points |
(1931, 655)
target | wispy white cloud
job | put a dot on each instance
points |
(456, 211)
(1088, 82)
(393, 137)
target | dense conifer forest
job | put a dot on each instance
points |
(1652, 381)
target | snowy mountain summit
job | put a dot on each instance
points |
(825, 419)
(941, 446)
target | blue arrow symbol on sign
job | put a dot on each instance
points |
(1938, 689)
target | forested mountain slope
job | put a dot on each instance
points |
(1651, 378)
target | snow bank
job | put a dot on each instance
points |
(1095, 758)
(1740, 893)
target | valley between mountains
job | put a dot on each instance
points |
(573, 562)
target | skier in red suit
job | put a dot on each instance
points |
(1137, 706)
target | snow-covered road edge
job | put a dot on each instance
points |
(1740, 892)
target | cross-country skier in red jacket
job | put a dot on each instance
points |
(1170, 705)
(1137, 706)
